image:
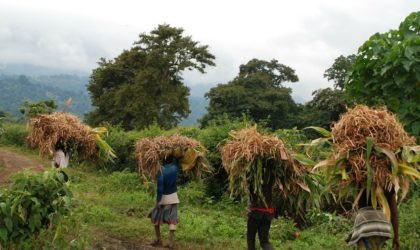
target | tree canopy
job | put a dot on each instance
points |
(32, 108)
(387, 72)
(143, 85)
(257, 91)
(339, 70)
(325, 107)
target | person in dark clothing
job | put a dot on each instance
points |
(165, 210)
(261, 212)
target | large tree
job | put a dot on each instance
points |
(144, 84)
(327, 104)
(339, 70)
(387, 72)
(325, 108)
(257, 91)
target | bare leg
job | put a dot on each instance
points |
(157, 241)
(171, 239)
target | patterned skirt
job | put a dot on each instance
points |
(167, 214)
(369, 223)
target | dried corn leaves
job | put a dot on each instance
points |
(150, 152)
(372, 153)
(50, 130)
(248, 153)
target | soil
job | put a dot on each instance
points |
(12, 162)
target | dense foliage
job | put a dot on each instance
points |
(339, 70)
(32, 203)
(325, 107)
(387, 71)
(144, 84)
(256, 91)
(31, 109)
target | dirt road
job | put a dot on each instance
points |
(12, 162)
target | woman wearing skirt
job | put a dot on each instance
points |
(165, 210)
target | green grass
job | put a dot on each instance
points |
(115, 206)
(110, 212)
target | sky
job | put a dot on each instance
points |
(305, 35)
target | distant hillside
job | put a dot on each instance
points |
(14, 90)
(198, 109)
(63, 81)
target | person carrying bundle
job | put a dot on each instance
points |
(371, 228)
(261, 212)
(60, 160)
(165, 210)
(256, 164)
(373, 159)
(160, 158)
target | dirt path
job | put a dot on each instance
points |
(12, 162)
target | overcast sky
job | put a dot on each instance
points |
(305, 35)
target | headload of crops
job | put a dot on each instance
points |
(247, 152)
(59, 128)
(372, 153)
(151, 152)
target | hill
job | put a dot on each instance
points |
(14, 90)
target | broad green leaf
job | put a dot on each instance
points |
(407, 170)
(369, 145)
(320, 130)
(344, 174)
(304, 160)
(3, 234)
(391, 157)
(384, 202)
(324, 163)
(9, 223)
(373, 198)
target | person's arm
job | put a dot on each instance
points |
(392, 200)
(159, 192)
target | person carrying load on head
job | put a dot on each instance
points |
(261, 212)
(165, 210)
(371, 228)
(60, 160)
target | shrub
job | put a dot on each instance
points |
(33, 202)
(14, 134)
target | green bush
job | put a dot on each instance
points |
(14, 134)
(34, 202)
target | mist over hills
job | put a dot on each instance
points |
(20, 82)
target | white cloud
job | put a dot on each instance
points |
(306, 35)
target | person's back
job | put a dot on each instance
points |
(261, 211)
(166, 210)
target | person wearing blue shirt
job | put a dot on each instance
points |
(165, 210)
